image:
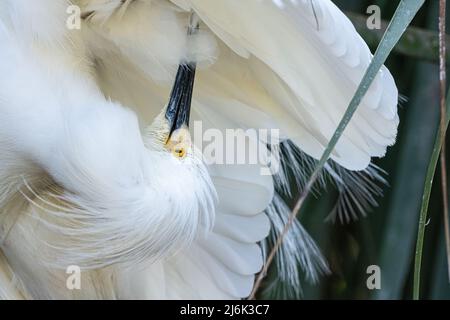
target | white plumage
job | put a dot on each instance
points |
(84, 176)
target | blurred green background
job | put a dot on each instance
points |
(387, 237)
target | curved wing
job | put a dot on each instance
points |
(310, 59)
(299, 62)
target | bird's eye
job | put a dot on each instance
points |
(179, 143)
(179, 152)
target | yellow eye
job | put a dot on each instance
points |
(179, 143)
(179, 151)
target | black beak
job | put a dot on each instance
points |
(179, 107)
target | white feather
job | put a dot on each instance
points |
(84, 180)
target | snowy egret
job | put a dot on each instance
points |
(95, 173)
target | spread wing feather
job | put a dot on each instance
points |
(310, 59)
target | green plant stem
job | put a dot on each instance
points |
(438, 149)
(424, 208)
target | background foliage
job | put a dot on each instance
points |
(387, 236)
